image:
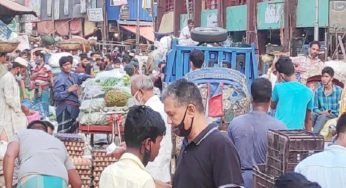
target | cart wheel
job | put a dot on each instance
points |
(209, 34)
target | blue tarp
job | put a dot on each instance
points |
(113, 12)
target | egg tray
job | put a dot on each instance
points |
(83, 167)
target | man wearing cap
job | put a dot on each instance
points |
(12, 119)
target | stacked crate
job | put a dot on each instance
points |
(75, 145)
(286, 148)
(99, 162)
(83, 167)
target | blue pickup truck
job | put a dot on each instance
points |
(242, 59)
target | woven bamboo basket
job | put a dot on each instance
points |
(7, 47)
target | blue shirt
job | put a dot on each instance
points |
(330, 102)
(62, 82)
(249, 135)
(292, 100)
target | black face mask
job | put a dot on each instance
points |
(146, 156)
(180, 130)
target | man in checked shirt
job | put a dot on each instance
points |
(326, 102)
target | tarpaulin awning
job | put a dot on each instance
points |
(10, 8)
(146, 32)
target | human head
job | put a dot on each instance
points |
(39, 57)
(117, 63)
(196, 59)
(129, 69)
(144, 130)
(261, 90)
(142, 88)
(95, 55)
(183, 103)
(315, 47)
(3, 57)
(84, 59)
(327, 76)
(23, 64)
(284, 68)
(107, 59)
(39, 125)
(17, 68)
(190, 24)
(294, 180)
(65, 63)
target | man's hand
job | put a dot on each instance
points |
(119, 151)
(73, 88)
(325, 113)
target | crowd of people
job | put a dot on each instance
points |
(208, 157)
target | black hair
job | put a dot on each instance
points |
(39, 53)
(65, 59)
(116, 61)
(38, 124)
(141, 123)
(261, 90)
(341, 124)
(197, 58)
(294, 180)
(185, 92)
(83, 56)
(285, 66)
(189, 21)
(108, 56)
(129, 69)
(3, 54)
(328, 70)
(315, 42)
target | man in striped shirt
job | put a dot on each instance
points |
(42, 80)
(326, 102)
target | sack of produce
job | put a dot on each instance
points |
(94, 118)
(117, 98)
(92, 105)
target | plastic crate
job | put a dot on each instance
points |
(286, 148)
(262, 180)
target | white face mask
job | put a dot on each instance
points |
(137, 101)
(19, 77)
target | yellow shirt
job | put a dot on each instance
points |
(128, 172)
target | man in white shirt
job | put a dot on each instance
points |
(142, 88)
(185, 34)
(144, 130)
(328, 168)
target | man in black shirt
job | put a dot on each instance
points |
(208, 158)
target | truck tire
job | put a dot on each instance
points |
(209, 34)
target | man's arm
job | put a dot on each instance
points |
(11, 154)
(316, 104)
(275, 98)
(74, 179)
(308, 120)
(60, 92)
